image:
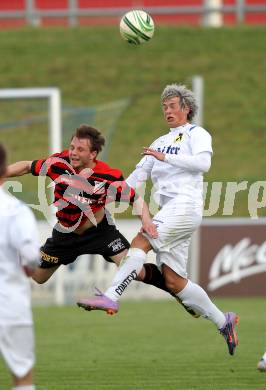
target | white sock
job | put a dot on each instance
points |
(28, 387)
(197, 299)
(264, 357)
(128, 271)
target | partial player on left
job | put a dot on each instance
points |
(19, 257)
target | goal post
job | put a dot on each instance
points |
(54, 107)
(198, 89)
(54, 136)
(213, 15)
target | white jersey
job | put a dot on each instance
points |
(18, 235)
(169, 179)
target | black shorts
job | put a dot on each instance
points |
(64, 248)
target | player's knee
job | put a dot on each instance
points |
(171, 285)
(141, 275)
(41, 275)
(38, 279)
(141, 242)
(174, 282)
(174, 286)
(24, 381)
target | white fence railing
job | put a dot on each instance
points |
(208, 11)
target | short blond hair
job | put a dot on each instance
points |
(186, 96)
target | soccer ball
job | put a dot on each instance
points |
(136, 27)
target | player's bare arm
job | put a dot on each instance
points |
(199, 162)
(19, 168)
(142, 210)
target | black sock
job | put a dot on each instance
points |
(154, 277)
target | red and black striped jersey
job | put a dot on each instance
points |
(79, 195)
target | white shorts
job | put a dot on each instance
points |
(176, 222)
(17, 348)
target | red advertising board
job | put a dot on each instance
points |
(232, 258)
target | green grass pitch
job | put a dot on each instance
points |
(149, 345)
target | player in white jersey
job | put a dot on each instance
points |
(19, 256)
(175, 163)
(261, 366)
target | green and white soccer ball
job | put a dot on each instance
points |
(136, 27)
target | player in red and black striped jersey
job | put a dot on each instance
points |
(80, 195)
(83, 186)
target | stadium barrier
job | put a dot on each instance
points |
(228, 258)
(73, 13)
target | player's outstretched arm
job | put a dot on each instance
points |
(199, 162)
(18, 168)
